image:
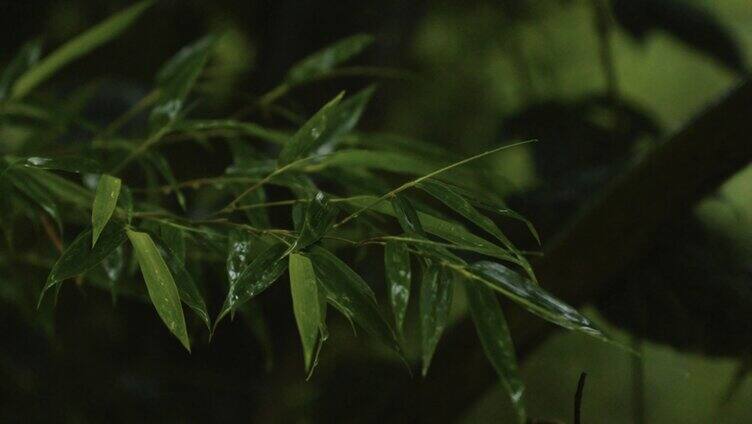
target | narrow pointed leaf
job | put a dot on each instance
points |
(309, 137)
(38, 194)
(160, 285)
(344, 118)
(347, 292)
(77, 47)
(532, 297)
(494, 336)
(77, 164)
(80, 256)
(164, 169)
(105, 201)
(398, 277)
(176, 79)
(319, 218)
(323, 61)
(436, 289)
(264, 270)
(187, 289)
(407, 216)
(173, 239)
(305, 304)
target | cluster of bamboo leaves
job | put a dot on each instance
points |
(130, 225)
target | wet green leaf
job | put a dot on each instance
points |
(531, 297)
(64, 191)
(324, 60)
(187, 289)
(496, 341)
(347, 292)
(398, 277)
(160, 285)
(174, 239)
(344, 118)
(236, 127)
(306, 304)
(407, 216)
(436, 289)
(396, 162)
(176, 79)
(80, 256)
(77, 47)
(263, 270)
(75, 164)
(319, 218)
(309, 137)
(105, 201)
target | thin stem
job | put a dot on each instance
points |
(153, 139)
(416, 181)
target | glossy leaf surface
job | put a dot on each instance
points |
(436, 289)
(398, 277)
(105, 202)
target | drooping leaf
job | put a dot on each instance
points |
(319, 218)
(63, 190)
(187, 289)
(80, 256)
(174, 239)
(398, 277)
(243, 128)
(176, 79)
(306, 304)
(160, 285)
(264, 270)
(105, 202)
(494, 336)
(407, 216)
(77, 47)
(532, 297)
(347, 292)
(26, 57)
(396, 162)
(309, 137)
(459, 204)
(113, 266)
(125, 201)
(77, 164)
(323, 61)
(436, 289)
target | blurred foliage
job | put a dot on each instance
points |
(597, 82)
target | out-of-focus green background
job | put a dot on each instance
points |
(468, 66)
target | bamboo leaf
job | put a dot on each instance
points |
(306, 304)
(38, 194)
(174, 240)
(176, 78)
(531, 297)
(163, 167)
(436, 289)
(407, 216)
(105, 202)
(398, 277)
(264, 270)
(187, 289)
(309, 137)
(77, 47)
(160, 285)
(397, 162)
(323, 61)
(80, 256)
(319, 218)
(346, 291)
(75, 164)
(344, 118)
(497, 342)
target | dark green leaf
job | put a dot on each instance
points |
(347, 292)
(176, 79)
(243, 128)
(407, 216)
(38, 194)
(160, 285)
(80, 256)
(319, 218)
(435, 302)
(77, 47)
(532, 297)
(323, 61)
(264, 270)
(398, 277)
(174, 239)
(105, 201)
(309, 137)
(75, 164)
(62, 189)
(396, 162)
(344, 118)
(163, 167)
(187, 289)
(496, 341)
(306, 304)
